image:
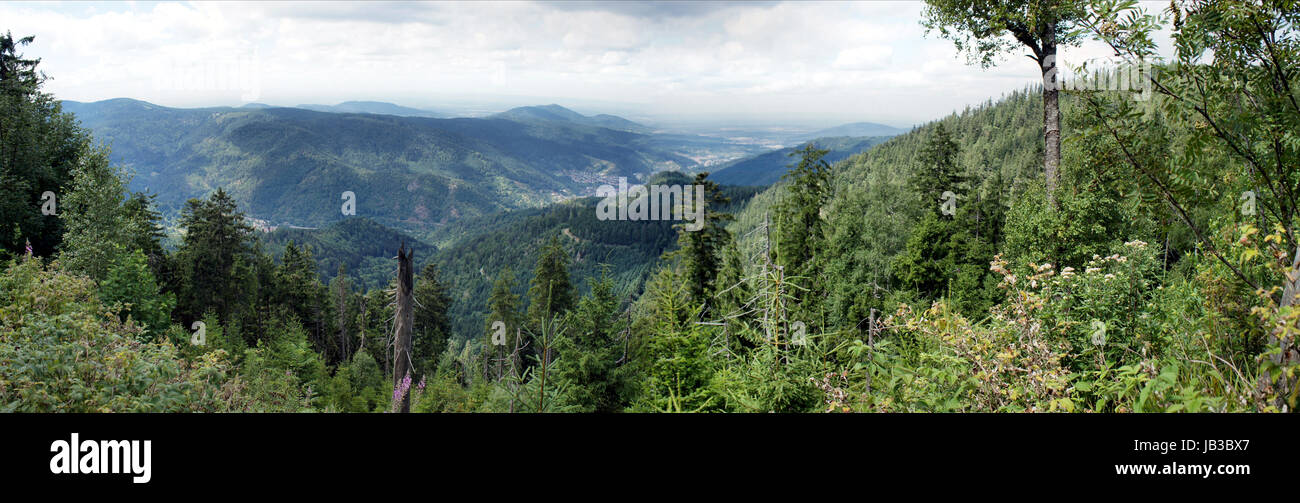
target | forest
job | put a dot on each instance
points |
(1084, 248)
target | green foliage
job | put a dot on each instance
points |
(59, 352)
(799, 224)
(937, 170)
(588, 365)
(444, 393)
(130, 284)
(1141, 283)
(549, 292)
(214, 259)
(1084, 224)
(282, 373)
(359, 386)
(766, 380)
(40, 145)
(432, 327)
(987, 29)
(701, 249)
(96, 224)
(678, 369)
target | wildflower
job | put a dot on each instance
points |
(399, 391)
(1091, 270)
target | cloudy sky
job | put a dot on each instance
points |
(799, 62)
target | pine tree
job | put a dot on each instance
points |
(550, 292)
(502, 306)
(587, 369)
(432, 325)
(303, 295)
(702, 249)
(146, 231)
(800, 228)
(214, 259)
(937, 170)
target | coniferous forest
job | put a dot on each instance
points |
(1070, 246)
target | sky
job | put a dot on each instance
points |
(798, 63)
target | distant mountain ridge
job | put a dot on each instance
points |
(854, 129)
(371, 107)
(557, 113)
(767, 168)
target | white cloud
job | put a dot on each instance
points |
(872, 57)
(829, 61)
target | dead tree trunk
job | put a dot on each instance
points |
(404, 318)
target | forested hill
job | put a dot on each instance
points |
(288, 165)
(482, 248)
(875, 209)
(767, 168)
(362, 246)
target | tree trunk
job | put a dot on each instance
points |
(1051, 114)
(404, 319)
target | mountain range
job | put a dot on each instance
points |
(371, 107)
(292, 165)
(557, 113)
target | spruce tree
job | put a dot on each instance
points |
(432, 325)
(937, 170)
(503, 306)
(702, 249)
(800, 228)
(213, 259)
(550, 292)
(587, 369)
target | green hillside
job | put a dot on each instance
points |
(289, 165)
(364, 247)
(483, 246)
(874, 208)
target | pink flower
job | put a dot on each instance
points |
(399, 391)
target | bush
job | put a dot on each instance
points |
(62, 351)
